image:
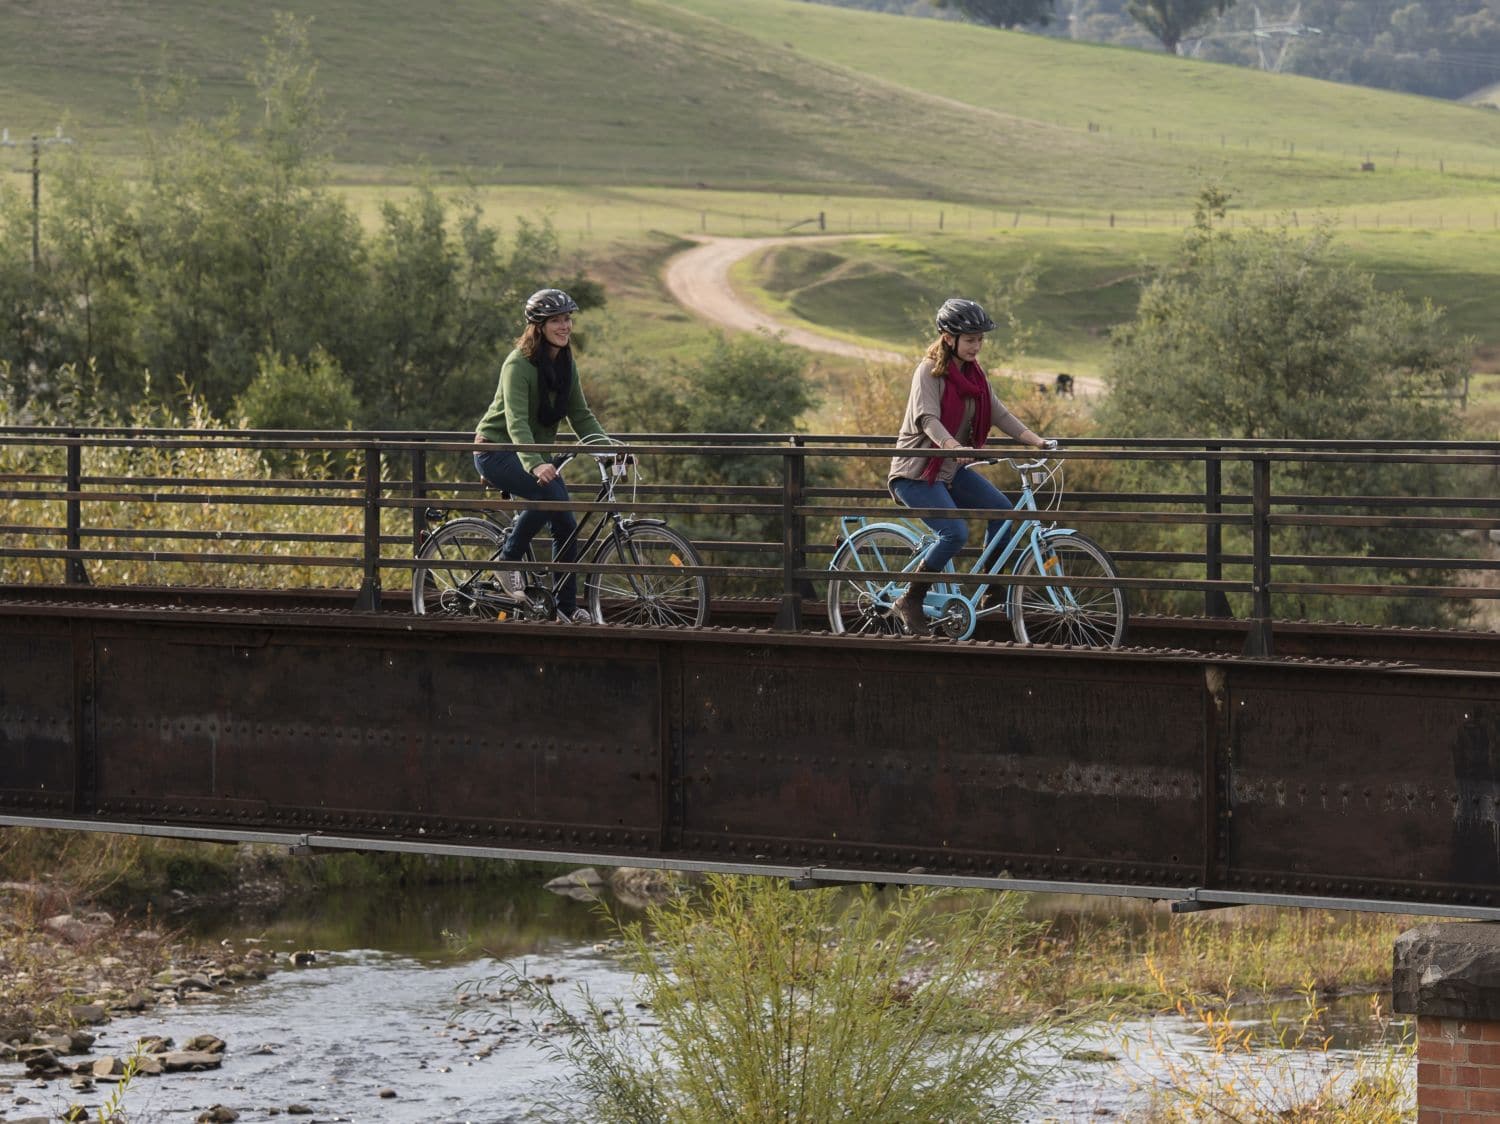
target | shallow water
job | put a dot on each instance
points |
(374, 1012)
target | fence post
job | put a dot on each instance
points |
(1258, 642)
(369, 589)
(74, 572)
(793, 541)
(1215, 604)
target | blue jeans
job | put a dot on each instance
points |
(968, 490)
(503, 469)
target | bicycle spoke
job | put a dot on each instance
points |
(861, 606)
(658, 598)
(1067, 613)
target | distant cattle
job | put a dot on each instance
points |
(1063, 386)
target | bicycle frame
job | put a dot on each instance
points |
(994, 558)
(550, 582)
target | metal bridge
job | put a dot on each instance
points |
(180, 656)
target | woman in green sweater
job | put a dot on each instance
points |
(538, 389)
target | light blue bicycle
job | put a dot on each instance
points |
(1091, 614)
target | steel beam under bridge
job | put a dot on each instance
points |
(1165, 774)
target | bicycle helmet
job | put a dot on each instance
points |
(959, 317)
(544, 304)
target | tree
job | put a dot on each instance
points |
(1171, 20)
(1266, 334)
(1002, 13)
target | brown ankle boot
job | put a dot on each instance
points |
(908, 607)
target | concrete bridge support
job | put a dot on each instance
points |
(1448, 976)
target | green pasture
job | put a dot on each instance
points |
(718, 97)
(880, 291)
(1163, 103)
(877, 290)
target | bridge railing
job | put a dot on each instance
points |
(1374, 532)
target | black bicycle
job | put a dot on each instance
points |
(645, 577)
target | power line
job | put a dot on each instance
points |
(36, 183)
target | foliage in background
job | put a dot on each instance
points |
(746, 385)
(1265, 334)
(774, 1004)
(230, 263)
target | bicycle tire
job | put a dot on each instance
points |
(444, 584)
(1091, 617)
(650, 600)
(862, 606)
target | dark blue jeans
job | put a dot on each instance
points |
(968, 490)
(503, 469)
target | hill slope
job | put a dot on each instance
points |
(764, 94)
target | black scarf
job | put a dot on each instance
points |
(554, 378)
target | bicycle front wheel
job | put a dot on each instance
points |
(862, 605)
(649, 599)
(447, 581)
(1090, 616)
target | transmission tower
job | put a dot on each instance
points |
(1281, 32)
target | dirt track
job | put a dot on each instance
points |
(698, 279)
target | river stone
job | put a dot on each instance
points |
(218, 1115)
(179, 1060)
(110, 1066)
(90, 1014)
(298, 1110)
(585, 877)
(207, 1043)
(80, 1041)
(154, 1044)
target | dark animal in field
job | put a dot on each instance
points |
(1063, 386)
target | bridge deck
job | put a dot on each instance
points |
(1357, 767)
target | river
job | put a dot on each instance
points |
(365, 1031)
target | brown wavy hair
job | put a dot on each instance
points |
(529, 340)
(941, 353)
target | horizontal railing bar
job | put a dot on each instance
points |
(1233, 444)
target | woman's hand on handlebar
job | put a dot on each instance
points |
(545, 473)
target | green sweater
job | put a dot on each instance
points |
(512, 416)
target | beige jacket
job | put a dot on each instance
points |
(922, 427)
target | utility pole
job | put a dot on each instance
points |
(36, 184)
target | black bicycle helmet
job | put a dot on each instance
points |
(959, 317)
(544, 304)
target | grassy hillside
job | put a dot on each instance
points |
(760, 95)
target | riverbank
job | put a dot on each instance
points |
(72, 957)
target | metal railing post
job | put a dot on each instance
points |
(369, 589)
(1215, 603)
(1258, 642)
(418, 492)
(793, 541)
(74, 572)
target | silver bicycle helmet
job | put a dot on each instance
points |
(960, 317)
(544, 304)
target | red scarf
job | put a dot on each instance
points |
(960, 382)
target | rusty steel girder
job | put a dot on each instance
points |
(1166, 773)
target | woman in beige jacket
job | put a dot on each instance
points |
(951, 406)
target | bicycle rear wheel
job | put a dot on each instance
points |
(862, 605)
(653, 600)
(448, 581)
(1091, 616)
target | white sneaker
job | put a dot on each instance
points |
(577, 616)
